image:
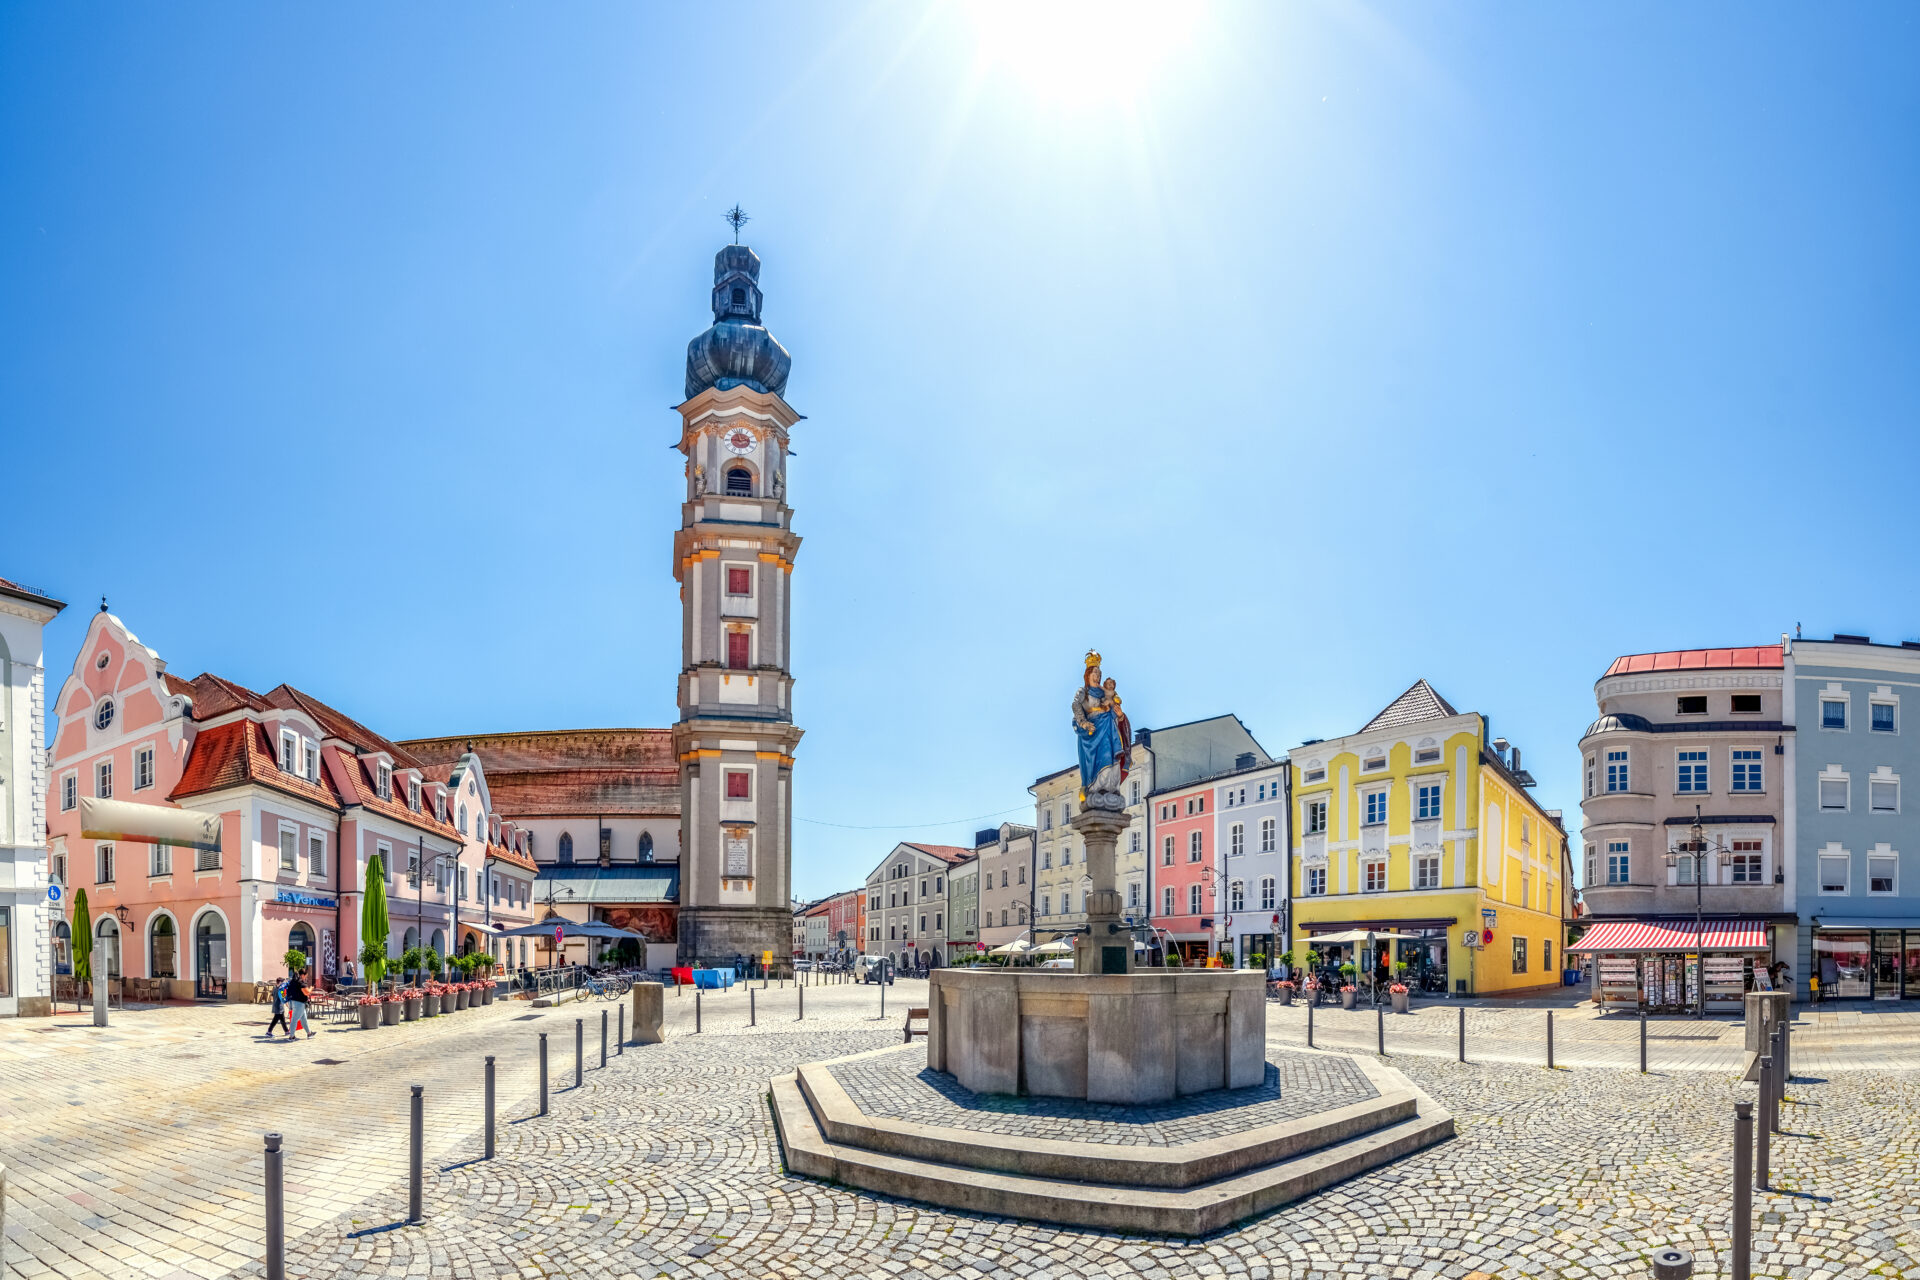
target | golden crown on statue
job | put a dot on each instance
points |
(1093, 658)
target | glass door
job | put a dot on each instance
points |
(1913, 965)
(1886, 964)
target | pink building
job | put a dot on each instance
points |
(302, 797)
(1182, 873)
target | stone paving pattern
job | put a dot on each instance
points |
(141, 1158)
(900, 1086)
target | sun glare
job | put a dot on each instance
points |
(1080, 52)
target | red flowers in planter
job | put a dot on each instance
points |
(1398, 989)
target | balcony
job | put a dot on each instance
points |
(1620, 806)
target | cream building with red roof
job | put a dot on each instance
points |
(907, 903)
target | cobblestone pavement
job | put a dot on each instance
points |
(900, 1086)
(141, 1157)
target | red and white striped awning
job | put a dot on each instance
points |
(1673, 935)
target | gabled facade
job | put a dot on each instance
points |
(1006, 883)
(1219, 872)
(907, 904)
(25, 917)
(1418, 825)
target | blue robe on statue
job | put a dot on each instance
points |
(1099, 748)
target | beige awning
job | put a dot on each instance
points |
(123, 820)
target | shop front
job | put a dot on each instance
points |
(1656, 965)
(1865, 963)
(1421, 945)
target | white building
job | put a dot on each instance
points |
(1250, 808)
(24, 967)
(907, 903)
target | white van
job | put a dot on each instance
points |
(872, 969)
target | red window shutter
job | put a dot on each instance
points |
(738, 783)
(739, 583)
(737, 650)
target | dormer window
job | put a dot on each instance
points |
(413, 794)
(440, 806)
(310, 759)
(289, 750)
(383, 781)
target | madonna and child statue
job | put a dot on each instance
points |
(1103, 734)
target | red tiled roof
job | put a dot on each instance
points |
(1765, 655)
(13, 588)
(232, 755)
(945, 852)
(500, 853)
(554, 749)
(213, 696)
(175, 684)
(603, 791)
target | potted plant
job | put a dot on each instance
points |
(1286, 990)
(486, 979)
(1258, 960)
(410, 998)
(373, 960)
(462, 995)
(430, 999)
(370, 1009)
(390, 1009)
(295, 960)
(1400, 997)
(1346, 994)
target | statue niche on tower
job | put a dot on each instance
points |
(1103, 733)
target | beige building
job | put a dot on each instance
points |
(1006, 883)
(907, 903)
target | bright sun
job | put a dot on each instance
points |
(1088, 53)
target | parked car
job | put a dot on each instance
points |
(1058, 962)
(874, 969)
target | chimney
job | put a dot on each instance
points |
(1513, 761)
(1244, 760)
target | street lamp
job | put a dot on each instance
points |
(552, 905)
(1694, 849)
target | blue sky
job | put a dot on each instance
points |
(1284, 353)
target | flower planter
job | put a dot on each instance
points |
(1401, 1000)
(1286, 995)
(430, 1005)
(412, 1008)
(390, 1013)
(460, 998)
(486, 994)
(1346, 999)
(369, 1016)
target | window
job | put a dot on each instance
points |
(1316, 881)
(383, 782)
(289, 750)
(1268, 835)
(1833, 713)
(1237, 896)
(1618, 864)
(70, 791)
(159, 860)
(1133, 842)
(939, 884)
(739, 784)
(1833, 872)
(1690, 771)
(1427, 871)
(1519, 955)
(1194, 844)
(1833, 793)
(463, 819)
(1745, 863)
(1692, 704)
(440, 806)
(739, 650)
(1683, 870)
(1593, 865)
(739, 581)
(57, 869)
(1135, 794)
(1193, 900)
(316, 854)
(1046, 820)
(1883, 794)
(1427, 755)
(1373, 764)
(1236, 840)
(103, 864)
(289, 849)
(1617, 775)
(1020, 874)
(739, 482)
(103, 714)
(103, 779)
(1266, 893)
(566, 846)
(142, 768)
(1429, 800)
(1747, 775)
(1133, 894)
(1166, 900)
(1526, 889)
(1375, 877)
(1046, 858)
(1315, 775)
(1882, 721)
(1316, 817)
(463, 883)
(413, 795)
(1376, 808)
(1046, 903)
(1746, 704)
(1546, 956)
(1883, 871)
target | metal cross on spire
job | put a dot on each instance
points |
(736, 218)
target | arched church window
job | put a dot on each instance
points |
(646, 846)
(566, 846)
(740, 482)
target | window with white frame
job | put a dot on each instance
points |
(159, 860)
(1376, 808)
(1833, 713)
(1618, 776)
(1194, 845)
(1267, 890)
(1690, 772)
(1236, 840)
(1747, 771)
(1833, 791)
(70, 792)
(383, 782)
(1269, 834)
(1237, 896)
(1133, 897)
(1316, 817)
(206, 859)
(1427, 796)
(142, 768)
(463, 883)
(1884, 716)
(1746, 863)
(1590, 774)
(1883, 793)
(1166, 900)
(1133, 842)
(1883, 872)
(1193, 899)
(440, 806)
(103, 864)
(1166, 852)
(1134, 794)
(1593, 864)
(1314, 775)
(1427, 755)
(316, 854)
(1833, 872)
(1619, 863)
(289, 849)
(1374, 876)
(289, 750)
(1426, 871)
(1316, 881)
(103, 780)
(310, 759)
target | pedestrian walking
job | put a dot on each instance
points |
(279, 1010)
(297, 1005)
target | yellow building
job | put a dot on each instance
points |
(1418, 826)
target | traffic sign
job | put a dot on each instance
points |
(53, 893)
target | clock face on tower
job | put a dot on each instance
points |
(740, 440)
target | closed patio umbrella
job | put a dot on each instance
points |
(373, 916)
(82, 938)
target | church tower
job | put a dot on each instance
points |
(733, 557)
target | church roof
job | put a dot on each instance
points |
(1421, 702)
(736, 350)
(558, 773)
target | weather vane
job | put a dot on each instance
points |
(737, 218)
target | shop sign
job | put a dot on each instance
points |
(299, 898)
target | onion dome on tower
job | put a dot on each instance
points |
(737, 351)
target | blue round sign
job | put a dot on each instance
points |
(53, 893)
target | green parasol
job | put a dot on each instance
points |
(82, 938)
(373, 919)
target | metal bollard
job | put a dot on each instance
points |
(1380, 1028)
(803, 1004)
(543, 1073)
(1672, 1264)
(1786, 1051)
(579, 1049)
(1777, 1092)
(753, 1017)
(1463, 1033)
(696, 1012)
(1643, 1042)
(489, 1107)
(1743, 1191)
(1763, 1152)
(603, 1039)
(883, 999)
(620, 1038)
(1549, 1039)
(1310, 1005)
(416, 1153)
(276, 1210)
